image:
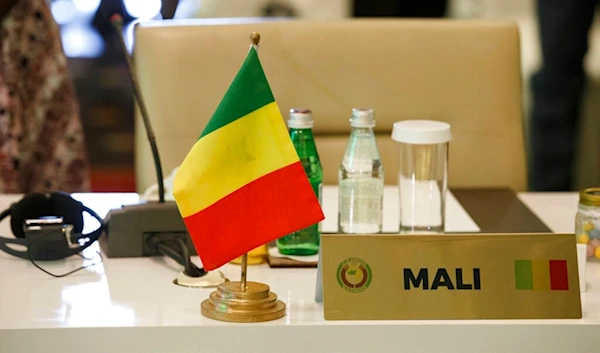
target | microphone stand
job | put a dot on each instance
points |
(152, 228)
(117, 22)
(131, 229)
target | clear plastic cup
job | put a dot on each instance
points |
(422, 174)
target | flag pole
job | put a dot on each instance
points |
(254, 42)
(244, 270)
(244, 301)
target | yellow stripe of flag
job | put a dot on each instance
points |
(541, 274)
(245, 152)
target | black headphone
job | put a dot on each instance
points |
(66, 239)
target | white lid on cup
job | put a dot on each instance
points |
(421, 132)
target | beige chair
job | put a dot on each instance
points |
(466, 73)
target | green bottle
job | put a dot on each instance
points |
(305, 241)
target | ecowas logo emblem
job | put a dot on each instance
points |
(354, 275)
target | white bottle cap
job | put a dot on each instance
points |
(421, 132)
(362, 117)
(300, 119)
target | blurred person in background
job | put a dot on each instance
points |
(400, 8)
(42, 146)
(557, 91)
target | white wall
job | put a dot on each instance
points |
(312, 9)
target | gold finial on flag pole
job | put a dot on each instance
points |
(255, 38)
(243, 301)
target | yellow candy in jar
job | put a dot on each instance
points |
(583, 238)
(587, 226)
(597, 253)
(593, 247)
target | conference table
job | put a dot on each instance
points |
(132, 304)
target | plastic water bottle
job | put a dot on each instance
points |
(305, 241)
(360, 178)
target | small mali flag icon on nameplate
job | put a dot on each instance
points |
(541, 274)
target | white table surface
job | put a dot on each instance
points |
(131, 305)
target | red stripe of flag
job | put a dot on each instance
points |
(263, 210)
(559, 280)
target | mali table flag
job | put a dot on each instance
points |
(242, 184)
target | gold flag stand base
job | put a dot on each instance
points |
(255, 304)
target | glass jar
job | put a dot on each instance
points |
(587, 222)
(422, 174)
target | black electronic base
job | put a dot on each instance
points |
(128, 227)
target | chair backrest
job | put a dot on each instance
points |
(466, 73)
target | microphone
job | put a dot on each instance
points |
(117, 21)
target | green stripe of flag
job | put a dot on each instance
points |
(248, 92)
(523, 274)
